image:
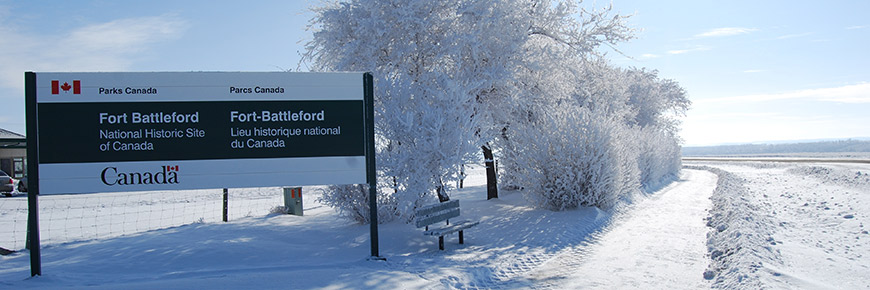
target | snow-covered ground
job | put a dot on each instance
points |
(768, 225)
(791, 225)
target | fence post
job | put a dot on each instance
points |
(226, 204)
(27, 240)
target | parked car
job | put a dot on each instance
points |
(7, 184)
(22, 184)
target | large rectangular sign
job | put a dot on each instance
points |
(104, 132)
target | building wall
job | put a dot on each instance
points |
(13, 152)
(13, 161)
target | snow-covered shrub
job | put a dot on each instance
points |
(352, 201)
(572, 158)
(654, 104)
(279, 209)
(658, 156)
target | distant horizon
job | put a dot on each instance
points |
(773, 142)
(780, 142)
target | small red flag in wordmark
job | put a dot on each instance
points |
(56, 87)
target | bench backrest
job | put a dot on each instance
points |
(431, 214)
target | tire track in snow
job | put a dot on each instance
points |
(510, 272)
(508, 269)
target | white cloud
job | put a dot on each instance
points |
(851, 94)
(787, 36)
(695, 49)
(106, 46)
(857, 27)
(725, 31)
(124, 35)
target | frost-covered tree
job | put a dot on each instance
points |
(438, 67)
(561, 71)
(655, 102)
(623, 133)
(454, 75)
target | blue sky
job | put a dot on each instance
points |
(755, 70)
(759, 70)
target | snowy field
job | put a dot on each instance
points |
(721, 224)
(865, 156)
(790, 225)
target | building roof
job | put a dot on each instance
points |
(9, 139)
(6, 134)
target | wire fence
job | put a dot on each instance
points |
(68, 218)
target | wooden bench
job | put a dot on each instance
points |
(444, 211)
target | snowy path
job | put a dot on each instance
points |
(658, 243)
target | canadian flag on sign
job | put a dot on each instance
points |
(56, 87)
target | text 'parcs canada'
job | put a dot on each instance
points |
(256, 90)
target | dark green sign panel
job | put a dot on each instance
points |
(122, 131)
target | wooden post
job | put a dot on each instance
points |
(491, 182)
(461, 175)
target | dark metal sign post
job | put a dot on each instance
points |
(371, 169)
(33, 172)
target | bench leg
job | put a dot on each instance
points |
(461, 238)
(441, 243)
